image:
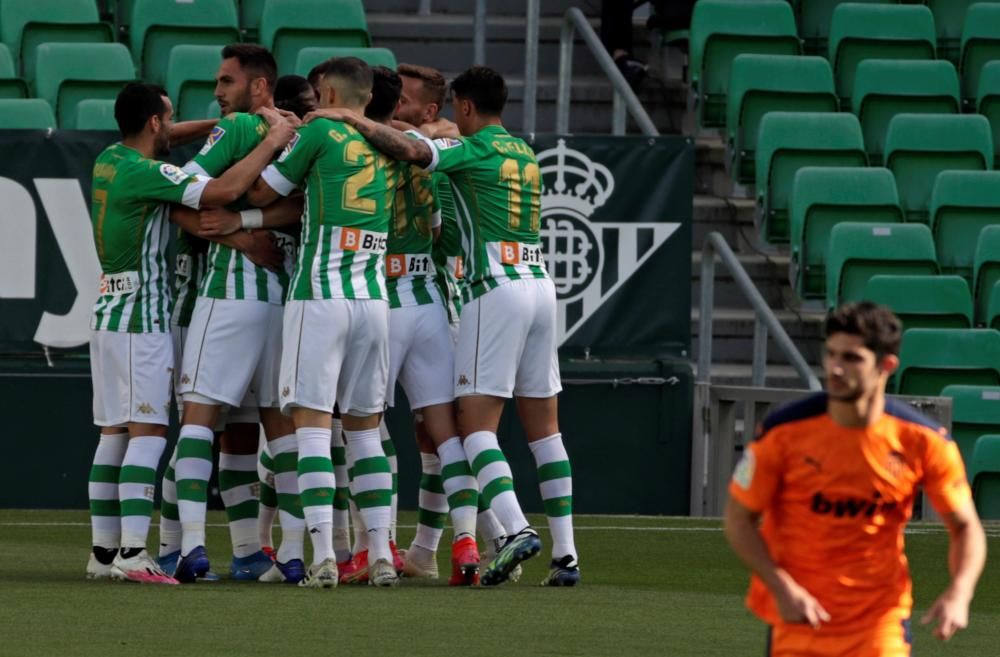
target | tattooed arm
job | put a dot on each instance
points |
(390, 141)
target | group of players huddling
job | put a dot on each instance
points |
(406, 220)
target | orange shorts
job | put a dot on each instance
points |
(890, 637)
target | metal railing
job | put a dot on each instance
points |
(478, 28)
(574, 22)
(765, 321)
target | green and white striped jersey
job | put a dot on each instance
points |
(230, 274)
(189, 267)
(129, 211)
(447, 252)
(409, 267)
(345, 221)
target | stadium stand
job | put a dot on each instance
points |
(71, 72)
(962, 204)
(920, 146)
(789, 141)
(26, 114)
(980, 44)
(985, 475)
(975, 412)
(993, 308)
(309, 57)
(250, 12)
(884, 88)
(923, 301)
(723, 29)
(821, 198)
(96, 114)
(814, 21)
(191, 79)
(949, 19)
(759, 84)
(988, 101)
(288, 26)
(11, 86)
(931, 359)
(986, 270)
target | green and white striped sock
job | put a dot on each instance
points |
(316, 486)
(170, 521)
(487, 525)
(460, 487)
(390, 453)
(137, 488)
(268, 502)
(341, 496)
(555, 479)
(193, 471)
(286, 484)
(102, 489)
(371, 487)
(238, 483)
(496, 482)
(432, 504)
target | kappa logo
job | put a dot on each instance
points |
(146, 409)
(463, 380)
(285, 391)
(574, 187)
(185, 379)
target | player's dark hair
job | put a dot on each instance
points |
(356, 72)
(136, 104)
(294, 94)
(317, 72)
(386, 87)
(877, 325)
(256, 60)
(434, 83)
(484, 87)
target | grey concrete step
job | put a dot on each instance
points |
(777, 376)
(733, 218)
(505, 8)
(769, 272)
(732, 335)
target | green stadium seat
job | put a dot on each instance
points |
(96, 114)
(980, 44)
(962, 204)
(28, 23)
(988, 103)
(26, 114)
(985, 475)
(814, 22)
(975, 411)
(788, 141)
(923, 301)
(288, 26)
(723, 29)
(949, 19)
(157, 26)
(250, 13)
(71, 72)
(931, 359)
(191, 79)
(920, 146)
(993, 308)
(856, 252)
(11, 86)
(821, 198)
(759, 84)
(309, 57)
(865, 31)
(986, 271)
(884, 88)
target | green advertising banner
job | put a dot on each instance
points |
(616, 231)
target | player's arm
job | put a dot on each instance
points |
(258, 246)
(238, 178)
(283, 177)
(186, 132)
(390, 141)
(220, 221)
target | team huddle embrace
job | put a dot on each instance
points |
(335, 237)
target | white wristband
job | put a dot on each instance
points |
(252, 219)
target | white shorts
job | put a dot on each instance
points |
(232, 346)
(507, 342)
(335, 351)
(132, 377)
(421, 355)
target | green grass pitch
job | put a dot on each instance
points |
(652, 586)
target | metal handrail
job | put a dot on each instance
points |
(478, 28)
(531, 66)
(624, 98)
(764, 318)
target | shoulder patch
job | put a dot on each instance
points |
(213, 137)
(743, 474)
(289, 148)
(444, 143)
(173, 174)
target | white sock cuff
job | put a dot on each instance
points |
(478, 442)
(383, 430)
(337, 432)
(111, 449)
(282, 445)
(549, 449)
(313, 441)
(197, 431)
(451, 451)
(238, 462)
(145, 451)
(430, 463)
(364, 444)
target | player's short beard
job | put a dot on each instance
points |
(243, 103)
(163, 144)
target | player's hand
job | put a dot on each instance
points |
(797, 605)
(264, 251)
(280, 134)
(440, 128)
(332, 113)
(219, 221)
(951, 611)
(291, 117)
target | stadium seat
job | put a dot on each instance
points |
(288, 26)
(814, 22)
(962, 204)
(975, 411)
(11, 86)
(96, 114)
(26, 114)
(920, 146)
(985, 475)
(986, 270)
(191, 79)
(821, 198)
(949, 19)
(988, 103)
(993, 308)
(980, 44)
(250, 12)
(309, 57)
(28, 23)
(923, 301)
(884, 88)
(71, 72)
(856, 252)
(158, 26)
(866, 31)
(931, 359)
(788, 141)
(723, 29)
(759, 84)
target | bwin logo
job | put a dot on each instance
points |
(576, 249)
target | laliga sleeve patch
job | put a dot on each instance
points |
(444, 143)
(213, 137)
(173, 174)
(743, 474)
(288, 149)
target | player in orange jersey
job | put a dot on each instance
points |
(834, 477)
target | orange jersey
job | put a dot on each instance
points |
(835, 501)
